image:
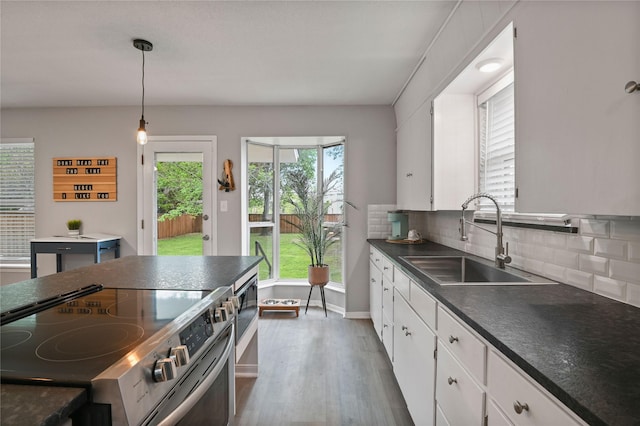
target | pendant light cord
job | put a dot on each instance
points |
(143, 83)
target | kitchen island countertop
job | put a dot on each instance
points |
(583, 348)
(44, 405)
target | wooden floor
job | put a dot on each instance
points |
(319, 371)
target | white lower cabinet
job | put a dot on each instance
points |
(460, 398)
(470, 382)
(375, 298)
(523, 402)
(414, 363)
(441, 420)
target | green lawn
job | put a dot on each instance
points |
(184, 245)
(294, 259)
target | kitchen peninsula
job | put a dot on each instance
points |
(132, 272)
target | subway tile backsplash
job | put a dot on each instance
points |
(378, 226)
(604, 257)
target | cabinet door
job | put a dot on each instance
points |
(460, 398)
(414, 161)
(577, 131)
(375, 298)
(414, 363)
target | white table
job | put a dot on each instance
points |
(94, 244)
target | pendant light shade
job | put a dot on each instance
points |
(144, 46)
(142, 132)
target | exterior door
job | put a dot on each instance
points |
(176, 213)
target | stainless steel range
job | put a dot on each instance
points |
(145, 356)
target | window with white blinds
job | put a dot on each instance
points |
(17, 199)
(497, 145)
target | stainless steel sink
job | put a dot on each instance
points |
(462, 270)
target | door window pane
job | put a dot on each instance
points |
(179, 204)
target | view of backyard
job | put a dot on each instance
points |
(294, 260)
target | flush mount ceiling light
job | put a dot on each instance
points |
(144, 46)
(489, 65)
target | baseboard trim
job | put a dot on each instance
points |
(357, 315)
(247, 370)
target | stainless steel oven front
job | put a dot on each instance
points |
(205, 396)
(185, 374)
(146, 357)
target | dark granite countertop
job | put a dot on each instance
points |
(143, 272)
(582, 347)
(23, 405)
(42, 405)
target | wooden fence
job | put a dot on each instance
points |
(286, 221)
(185, 224)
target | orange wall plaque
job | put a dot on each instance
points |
(85, 179)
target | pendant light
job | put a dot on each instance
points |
(144, 46)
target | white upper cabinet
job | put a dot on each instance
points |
(577, 131)
(414, 161)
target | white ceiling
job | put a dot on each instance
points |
(80, 53)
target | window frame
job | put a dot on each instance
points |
(281, 144)
(25, 258)
(481, 98)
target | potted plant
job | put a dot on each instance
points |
(73, 226)
(316, 236)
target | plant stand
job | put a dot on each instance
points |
(324, 302)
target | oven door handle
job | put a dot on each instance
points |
(186, 406)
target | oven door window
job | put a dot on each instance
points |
(248, 296)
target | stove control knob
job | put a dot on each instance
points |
(236, 301)
(164, 370)
(228, 305)
(220, 315)
(180, 355)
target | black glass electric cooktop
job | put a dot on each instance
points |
(71, 343)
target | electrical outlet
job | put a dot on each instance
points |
(223, 206)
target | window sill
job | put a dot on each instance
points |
(339, 288)
(541, 221)
(15, 266)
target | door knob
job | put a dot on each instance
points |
(205, 217)
(205, 237)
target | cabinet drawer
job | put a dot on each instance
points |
(458, 395)
(376, 257)
(424, 305)
(514, 392)
(402, 283)
(375, 276)
(387, 268)
(470, 350)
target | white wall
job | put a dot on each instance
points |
(110, 131)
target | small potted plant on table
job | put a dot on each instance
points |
(73, 226)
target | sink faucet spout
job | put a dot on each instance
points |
(502, 255)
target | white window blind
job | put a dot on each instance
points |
(17, 199)
(497, 150)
